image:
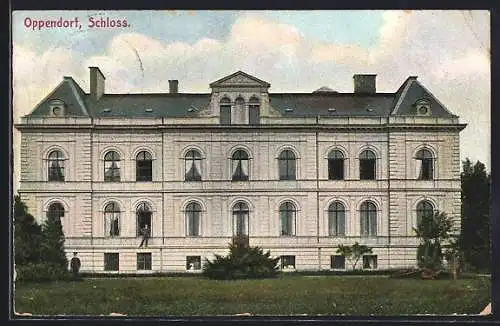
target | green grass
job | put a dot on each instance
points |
(287, 295)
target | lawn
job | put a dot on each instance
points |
(287, 295)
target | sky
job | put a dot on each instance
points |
(295, 51)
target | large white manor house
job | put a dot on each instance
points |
(294, 173)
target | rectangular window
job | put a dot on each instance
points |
(144, 171)
(143, 261)
(370, 262)
(193, 263)
(425, 169)
(225, 114)
(288, 262)
(337, 262)
(111, 261)
(254, 114)
(335, 169)
(367, 169)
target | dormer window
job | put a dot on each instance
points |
(57, 108)
(225, 111)
(254, 111)
(423, 107)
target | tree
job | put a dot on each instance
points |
(353, 253)
(475, 240)
(433, 230)
(52, 246)
(27, 235)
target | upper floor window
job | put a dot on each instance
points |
(335, 165)
(367, 161)
(112, 219)
(56, 166)
(225, 111)
(193, 166)
(144, 214)
(144, 166)
(287, 166)
(425, 209)
(254, 111)
(368, 214)
(288, 214)
(112, 166)
(240, 165)
(336, 219)
(193, 212)
(425, 169)
(55, 211)
(240, 219)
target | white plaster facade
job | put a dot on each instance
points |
(84, 193)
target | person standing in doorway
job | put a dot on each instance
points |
(75, 265)
(145, 236)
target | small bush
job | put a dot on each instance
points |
(41, 272)
(241, 263)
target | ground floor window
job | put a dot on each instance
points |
(287, 262)
(193, 263)
(370, 262)
(143, 261)
(337, 262)
(111, 261)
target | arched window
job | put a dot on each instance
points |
(112, 219)
(56, 166)
(368, 214)
(240, 219)
(225, 111)
(240, 165)
(336, 219)
(288, 214)
(367, 165)
(55, 211)
(425, 209)
(254, 111)
(112, 167)
(335, 165)
(425, 168)
(193, 212)
(287, 165)
(144, 166)
(144, 214)
(193, 166)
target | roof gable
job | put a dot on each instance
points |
(411, 92)
(239, 79)
(68, 92)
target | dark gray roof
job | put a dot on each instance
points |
(150, 105)
(332, 104)
(70, 93)
(289, 104)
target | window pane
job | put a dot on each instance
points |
(254, 114)
(225, 114)
(337, 262)
(336, 169)
(288, 262)
(193, 166)
(144, 261)
(367, 169)
(193, 263)
(111, 262)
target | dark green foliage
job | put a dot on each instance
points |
(353, 253)
(433, 231)
(475, 241)
(41, 272)
(27, 235)
(241, 263)
(52, 249)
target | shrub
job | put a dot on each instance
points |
(41, 272)
(241, 263)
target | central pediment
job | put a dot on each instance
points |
(239, 79)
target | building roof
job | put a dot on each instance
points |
(317, 103)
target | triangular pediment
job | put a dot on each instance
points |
(239, 79)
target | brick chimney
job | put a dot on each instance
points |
(365, 84)
(173, 86)
(96, 83)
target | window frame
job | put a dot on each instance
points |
(197, 263)
(426, 158)
(332, 260)
(292, 259)
(241, 210)
(113, 159)
(190, 215)
(144, 208)
(365, 261)
(291, 218)
(108, 263)
(56, 173)
(367, 172)
(144, 173)
(55, 210)
(144, 260)
(332, 159)
(114, 212)
(335, 209)
(366, 219)
(191, 157)
(287, 160)
(238, 158)
(424, 206)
